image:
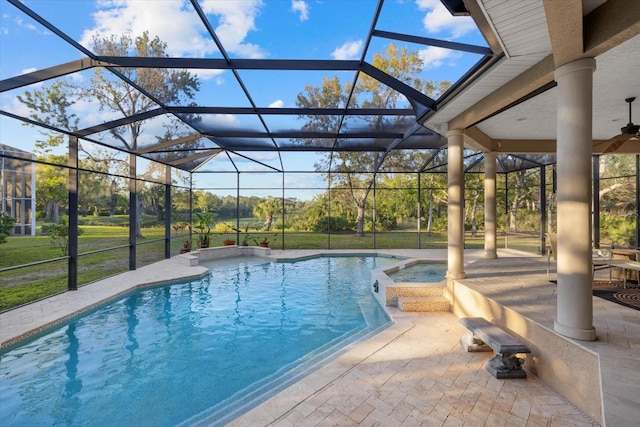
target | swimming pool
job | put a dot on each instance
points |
(197, 351)
(420, 272)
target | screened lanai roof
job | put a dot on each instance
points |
(260, 67)
(246, 103)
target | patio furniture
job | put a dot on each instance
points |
(624, 254)
(552, 248)
(600, 260)
(504, 364)
(621, 264)
(624, 266)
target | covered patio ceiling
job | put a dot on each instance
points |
(502, 93)
(512, 108)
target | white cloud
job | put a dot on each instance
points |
(221, 121)
(265, 156)
(28, 70)
(90, 114)
(17, 107)
(166, 19)
(349, 50)
(301, 7)
(236, 19)
(204, 74)
(434, 57)
(177, 26)
(277, 104)
(438, 19)
(28, 25)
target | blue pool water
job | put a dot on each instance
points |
(198, 351)
(427, 272)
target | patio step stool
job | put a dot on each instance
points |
(485, 336)
(423, 304)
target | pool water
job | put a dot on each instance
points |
(201, 351)
(426, 272)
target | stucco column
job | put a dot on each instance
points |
(574, 318)
(455, 205)
(490, 205)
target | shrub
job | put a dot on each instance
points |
(383, 223)
(618, 230)
(59, 234)
(336, 223)
(6, 225)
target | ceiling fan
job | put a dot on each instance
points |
(627, 132)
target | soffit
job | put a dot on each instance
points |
(522, 34)
(531, 114)
(612, 84)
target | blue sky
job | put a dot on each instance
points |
(275, 29)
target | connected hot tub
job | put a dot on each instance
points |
(412, 285)
(419, 272)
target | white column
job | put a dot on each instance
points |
(455, 205)
(574, 317)
(490, 205)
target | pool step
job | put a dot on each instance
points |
(405, 290)
(423, 304)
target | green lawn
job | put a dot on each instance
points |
(31, 283)
(27, 284)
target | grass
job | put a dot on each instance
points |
(27, 284)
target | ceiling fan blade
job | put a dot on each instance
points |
(612, 144)
(616, 142)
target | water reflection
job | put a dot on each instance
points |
(73, 384)
(132, 322)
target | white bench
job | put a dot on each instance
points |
(485, 336)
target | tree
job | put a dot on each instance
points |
(617, 199)
(355, 170)
(435, 184)
(617, 190)
(521, 190)
(51, 187)
(97, 190)
(315, 210)
(267, 208)
(397, 201)
(52, 105)
(474, 187)
(165, 85)
(206, 201)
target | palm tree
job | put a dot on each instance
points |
(267, 208)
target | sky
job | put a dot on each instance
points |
(274, 29)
